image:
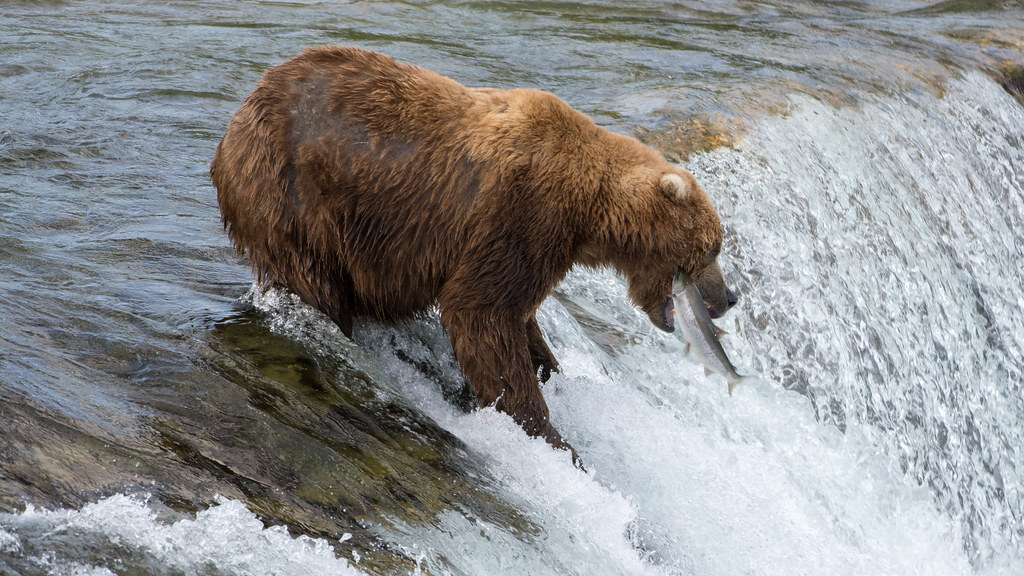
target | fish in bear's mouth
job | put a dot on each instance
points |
(668, 315)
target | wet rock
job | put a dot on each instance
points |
(685, 135)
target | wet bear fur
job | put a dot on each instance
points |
(374, 188)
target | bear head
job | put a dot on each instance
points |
(668, 225)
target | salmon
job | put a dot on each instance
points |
(700, 333)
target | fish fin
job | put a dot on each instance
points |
(687, 349)
(708, 372)
(741, 380)
(719, 332)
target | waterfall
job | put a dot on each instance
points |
(879, 251)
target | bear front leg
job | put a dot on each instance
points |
(495, 355)
(541, 356)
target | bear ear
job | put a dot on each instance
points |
(674, 188)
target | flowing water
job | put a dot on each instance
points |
(159, 415)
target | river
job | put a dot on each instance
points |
(161, 415)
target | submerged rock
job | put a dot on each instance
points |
(685, 135)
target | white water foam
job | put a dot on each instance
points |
(224, 539)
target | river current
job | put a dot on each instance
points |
(161, 415)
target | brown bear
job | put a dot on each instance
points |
(374, 188)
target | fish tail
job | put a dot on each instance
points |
(740, 380)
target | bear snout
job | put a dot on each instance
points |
(731, 298)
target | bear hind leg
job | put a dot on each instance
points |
(342, 303)
(332, 294)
